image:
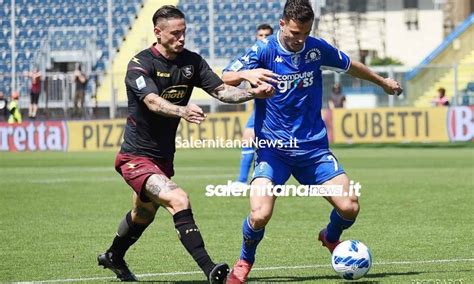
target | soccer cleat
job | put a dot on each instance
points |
(239, 272)
(117, 265)
(219, 273)
(331, 246)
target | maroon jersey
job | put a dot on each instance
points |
(150, 134)
(36, 84)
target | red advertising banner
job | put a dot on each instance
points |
(34, 136)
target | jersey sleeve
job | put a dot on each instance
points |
(138, 78)
(334, 59)
(208, 80)
(250, 60)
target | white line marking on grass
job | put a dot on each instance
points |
(254, 269)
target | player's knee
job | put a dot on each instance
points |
(350, 208)
(179, 201)
(259, 219)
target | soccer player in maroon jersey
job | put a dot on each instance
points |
(159, 83)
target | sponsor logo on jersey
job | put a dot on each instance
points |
(163, 74)
(312, 55)
(175, 94)
(278, 59)
(295, 81)
(188, 71)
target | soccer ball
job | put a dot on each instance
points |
(351, 260)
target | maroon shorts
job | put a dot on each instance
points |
(135, 170)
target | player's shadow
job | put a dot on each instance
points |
(174, 282)
(335, 278)
(277, 279)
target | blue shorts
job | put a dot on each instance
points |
(251, 121)
(278, 167)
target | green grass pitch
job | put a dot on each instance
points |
(59, 210)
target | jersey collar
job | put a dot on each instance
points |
(287, 51)
(154, 51)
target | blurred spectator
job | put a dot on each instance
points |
(3, 107)
(80, 79)
(35, 91)
(441, 99)
(263, 31)
(337, 99)
(14, 109)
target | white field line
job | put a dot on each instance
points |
(269, 268)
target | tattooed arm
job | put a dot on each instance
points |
(163, 107)
(158, 105)
(233, 95)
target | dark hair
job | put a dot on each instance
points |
(442, 91)
(298, 10)
(167, 12)
(265, 27)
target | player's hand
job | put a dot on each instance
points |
(392, 87)
(259, 76)
(263, 91)
(193, 113)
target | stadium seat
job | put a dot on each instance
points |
(35, 17)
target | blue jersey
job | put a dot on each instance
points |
(294, 112)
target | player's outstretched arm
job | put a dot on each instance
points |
(361, 71)
(191, 113)
(233, 95)
(254, 76)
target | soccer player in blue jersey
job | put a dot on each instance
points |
(294, 112)
(248, 136)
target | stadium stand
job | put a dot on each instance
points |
(234, 30)
(69, 25)
(40, 20)
(234, 25)
(450, 65)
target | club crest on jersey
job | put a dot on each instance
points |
(295, 60)
(312, 55)
(188, 71)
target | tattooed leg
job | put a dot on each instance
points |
(161, 190)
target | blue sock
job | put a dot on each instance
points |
(245, 163)
(251, 239)
(336, 225)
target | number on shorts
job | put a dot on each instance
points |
(331, 158)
